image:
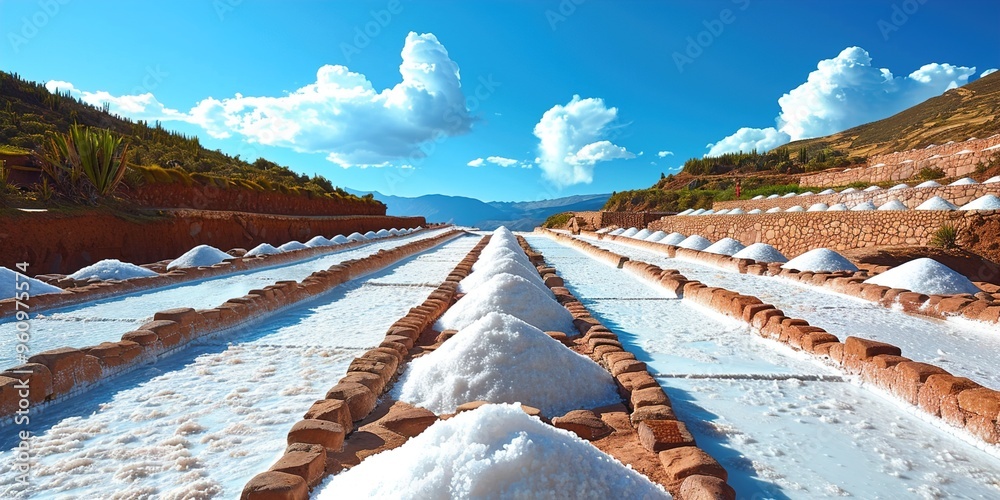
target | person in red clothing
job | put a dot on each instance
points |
(739, 188)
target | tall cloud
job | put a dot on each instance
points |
(341, 114)
(573, 138)
(844, 92)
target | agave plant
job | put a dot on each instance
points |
(85, 153)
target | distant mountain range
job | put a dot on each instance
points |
(464, 211)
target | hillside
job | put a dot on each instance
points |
(466, 211)
(957, 115)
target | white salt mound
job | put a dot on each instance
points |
(993, 179)
(708, 212)
(641, 235)
(820, 260)
(371, 235)
(318, 241)
(357, 237)
(509, 294)
(987, 202)
(630, 232)
(756, 211)
(964, 181)
(872, 188)
(789, 195)
(893, 205)
(201, 255)
(796, 208)
(673, 239)
(395, 232)
(839, 207)
(617, 232)
(686, 212)
(292, 246)
(818, 207)
(863, 207)
(827, 191)
(698, 212)
(724, 211)
(495, 253)
(725, 246)
(340, 239)
(737, 211)
(10, 280)
(383, 233)
(928, 184)
(758, 197)
(695, 242)
(849, 191)
(501, 266)
(657, 236)
(807, 193)
(937, 203)
(502, 359)
(926, 276)
(761, 252)
(262, 249)
(899, 186)
(495, 451)
(774, 210)
(111, 269)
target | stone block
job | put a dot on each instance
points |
(583, 423)
(680, 463)
(660, 435)
(274, 485)
(359, 398)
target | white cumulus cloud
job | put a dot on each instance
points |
(499, 161)
(844, 92)
(572, 139)
(664, 154)
(478, 162)
(341, 114)
(503, 162)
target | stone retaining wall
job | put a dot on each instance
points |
(203, 197)
(93, 291)
(54, 242)
(796, 233)
(958, 401)
(58, 373)
(597, 220)
(911, 197)
(903, 165)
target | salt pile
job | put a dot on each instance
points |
(993, 179)
(827, 191)
(112, 269)
(318, 241)
(807, 193)
(502, 359)
(893, 205)
(357, 237)
(382, 233)
(686, 212)
(339, 239)
(10, 280)
(371, 235)
(964, 181)
(698, 212)
(737, 211)
(502, 265)
(657, 236)
(849, 191)
(725, 246)
(617, 232)
(292, 246)
(818, 207)
(928, 184)
(630, 232)
(262, 249)
(899, 186)
(774, 210)
(695, 242)
(724, 211)
(820, 260)
(199, 256)
(755, 211)
(673, 239)
(937, 203)
(839, 207)
(495, 451)
(863, 207)
(773, 196)
(796, 208)
(872, 188)
(641, 235)
(708, 212)
(761, 252)
(395, 232)
(758, 197)
(987, 202)
(509, 294)
(789, 195)
(926, 276)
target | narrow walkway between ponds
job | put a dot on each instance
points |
(201, 423)
(783, 425)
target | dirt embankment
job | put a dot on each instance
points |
(62, 243)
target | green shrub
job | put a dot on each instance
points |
(85, 154)
(558, 220)
(945, 237)
(930, 173)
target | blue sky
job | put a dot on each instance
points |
(494, 83)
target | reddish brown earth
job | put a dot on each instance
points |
(54, 242)
(242, 200)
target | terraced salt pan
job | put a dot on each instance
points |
(820, 260)
(792, 437)
(926, 276)
(106, 320)
(512, 295)
(201, 423)
(502, 359)
(112, 269)
(963, 348)
(496, 451)
(761, 252)
(199, 256)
